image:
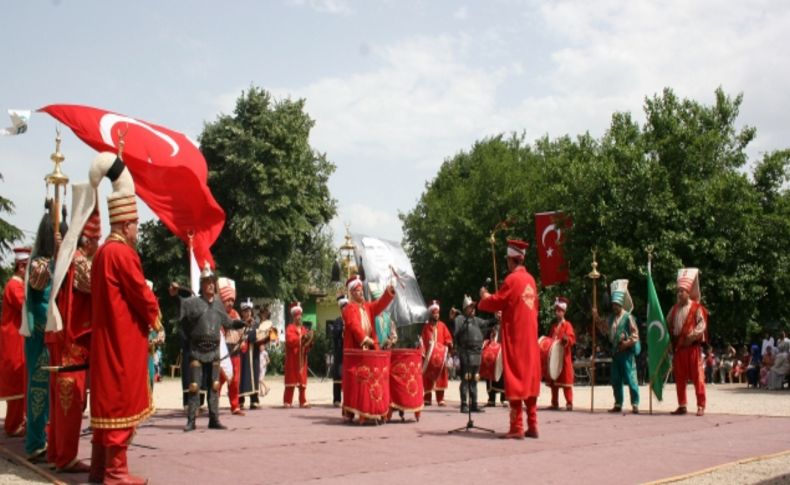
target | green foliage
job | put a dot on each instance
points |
(276, 360)
(8, 232)
(273, 187)
(676, 183)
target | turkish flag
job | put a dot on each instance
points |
(550, 230)
(169, 172)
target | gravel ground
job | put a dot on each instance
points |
(722, 399)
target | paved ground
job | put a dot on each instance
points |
(275, 445)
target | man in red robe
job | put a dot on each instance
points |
(68, 340)
(123, 310)
(517, 298)
(360, 315)
(688, 326)
(434, 333)
(298, 341)
(12, 347)
(235, 342)
(562, 331)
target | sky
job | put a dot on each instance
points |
(395, 87)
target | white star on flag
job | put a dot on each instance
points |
(549, 252)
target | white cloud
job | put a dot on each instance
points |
(363, 219)
(335, 7)
(461, 13)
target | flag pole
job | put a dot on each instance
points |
(492, 240)
(652, 376)
(593, 275)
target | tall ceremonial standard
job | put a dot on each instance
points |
(124, 309)
(518, 301)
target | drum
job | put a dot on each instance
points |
(406, 387)
(434, 362)
(366, 383)
(225, 365)
(556, 359)
(263, 331)
(545, 344)
(491, 361)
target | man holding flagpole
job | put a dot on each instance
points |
(657, 339)
(688, 321)
(517, 298)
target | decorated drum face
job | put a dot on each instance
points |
(491, 361)
(555, 360)
(434, 363)
(545, 344)
(263, 331)
(366, 382)
(406, 388)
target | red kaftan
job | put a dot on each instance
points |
(517, 298)
(12, 355)
(70, 346)
(559, 330)
(444, 337)
(360, 321)
(124, 309)
(296, 356)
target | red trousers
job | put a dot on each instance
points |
(687, 365)
(439, 397)
(288, 395)
(233, 384)
(555, 395)
(66, 416)
(531, 408)
(14, 416)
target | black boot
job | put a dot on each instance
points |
(190, 425)
(213, 423)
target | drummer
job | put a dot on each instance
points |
(562, 331)
(359, 315)
(469, 331)
(435, 332)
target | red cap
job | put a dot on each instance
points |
(92, 228)
(516, 247)
(296, 307)
(22, 254)
(352, 282)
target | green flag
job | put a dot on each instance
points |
(657, 339)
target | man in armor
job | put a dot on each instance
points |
(201, 319)
(469, 342)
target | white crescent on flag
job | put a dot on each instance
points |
(660, 329)
(110, 119)
(549, 228)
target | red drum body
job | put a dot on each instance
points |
(366, 383)
(545, 344)
(491, 361)
(434, 363)
(406, 388)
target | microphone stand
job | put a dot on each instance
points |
(470, 425)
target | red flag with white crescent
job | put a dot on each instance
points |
(169, 172)
(550, 230)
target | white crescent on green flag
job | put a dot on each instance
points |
(19, 119)
(657, 339)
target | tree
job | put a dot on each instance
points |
(273, 187)
(8, 232)
(677, 184)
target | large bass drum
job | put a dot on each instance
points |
(406, 388)
(434, 362)
(491, 361)
(556, 359)
(366, 383)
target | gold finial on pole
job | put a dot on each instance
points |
(492, 240)
(348, 253)
(594, 275)
(58, 180)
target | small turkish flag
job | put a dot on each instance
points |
(169, 172)
(550, 230)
